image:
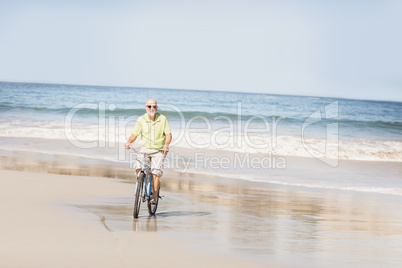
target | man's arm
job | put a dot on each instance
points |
(167, 142)
(130, 140)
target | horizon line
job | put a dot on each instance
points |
(186, 89)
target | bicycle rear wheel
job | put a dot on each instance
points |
(137, 201)
(153, 207)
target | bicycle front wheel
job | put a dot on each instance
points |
(153, 207)
(137, 201)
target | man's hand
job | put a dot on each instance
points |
(165, 149)
(127, 145)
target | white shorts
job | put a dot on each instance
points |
(156, 161)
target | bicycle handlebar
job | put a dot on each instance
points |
(138, 152)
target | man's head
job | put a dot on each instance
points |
(151, 106)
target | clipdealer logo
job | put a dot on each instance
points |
(232, 134)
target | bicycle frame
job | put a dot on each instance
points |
(144, 180)
(147, 183)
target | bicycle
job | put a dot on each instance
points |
(143, 187)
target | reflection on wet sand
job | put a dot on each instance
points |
(63, 165)
(147, 225)
(337, 211)
(262, 221)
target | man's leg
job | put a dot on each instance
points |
(157, 172)
(137, 163)
(155, 187)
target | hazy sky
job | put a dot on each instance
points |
(342, 48)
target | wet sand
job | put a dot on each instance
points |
(45, 223)
(51, 220)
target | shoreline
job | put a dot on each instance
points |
(298, 167)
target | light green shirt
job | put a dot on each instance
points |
(153, 134)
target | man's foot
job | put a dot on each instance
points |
(153, 202)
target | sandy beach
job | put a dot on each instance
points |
(45, 224)
(55, 220)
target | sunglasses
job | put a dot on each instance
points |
(151, 106)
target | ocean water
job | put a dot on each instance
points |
(244, 122)
(91, 117)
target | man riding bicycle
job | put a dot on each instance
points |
(155, 136)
